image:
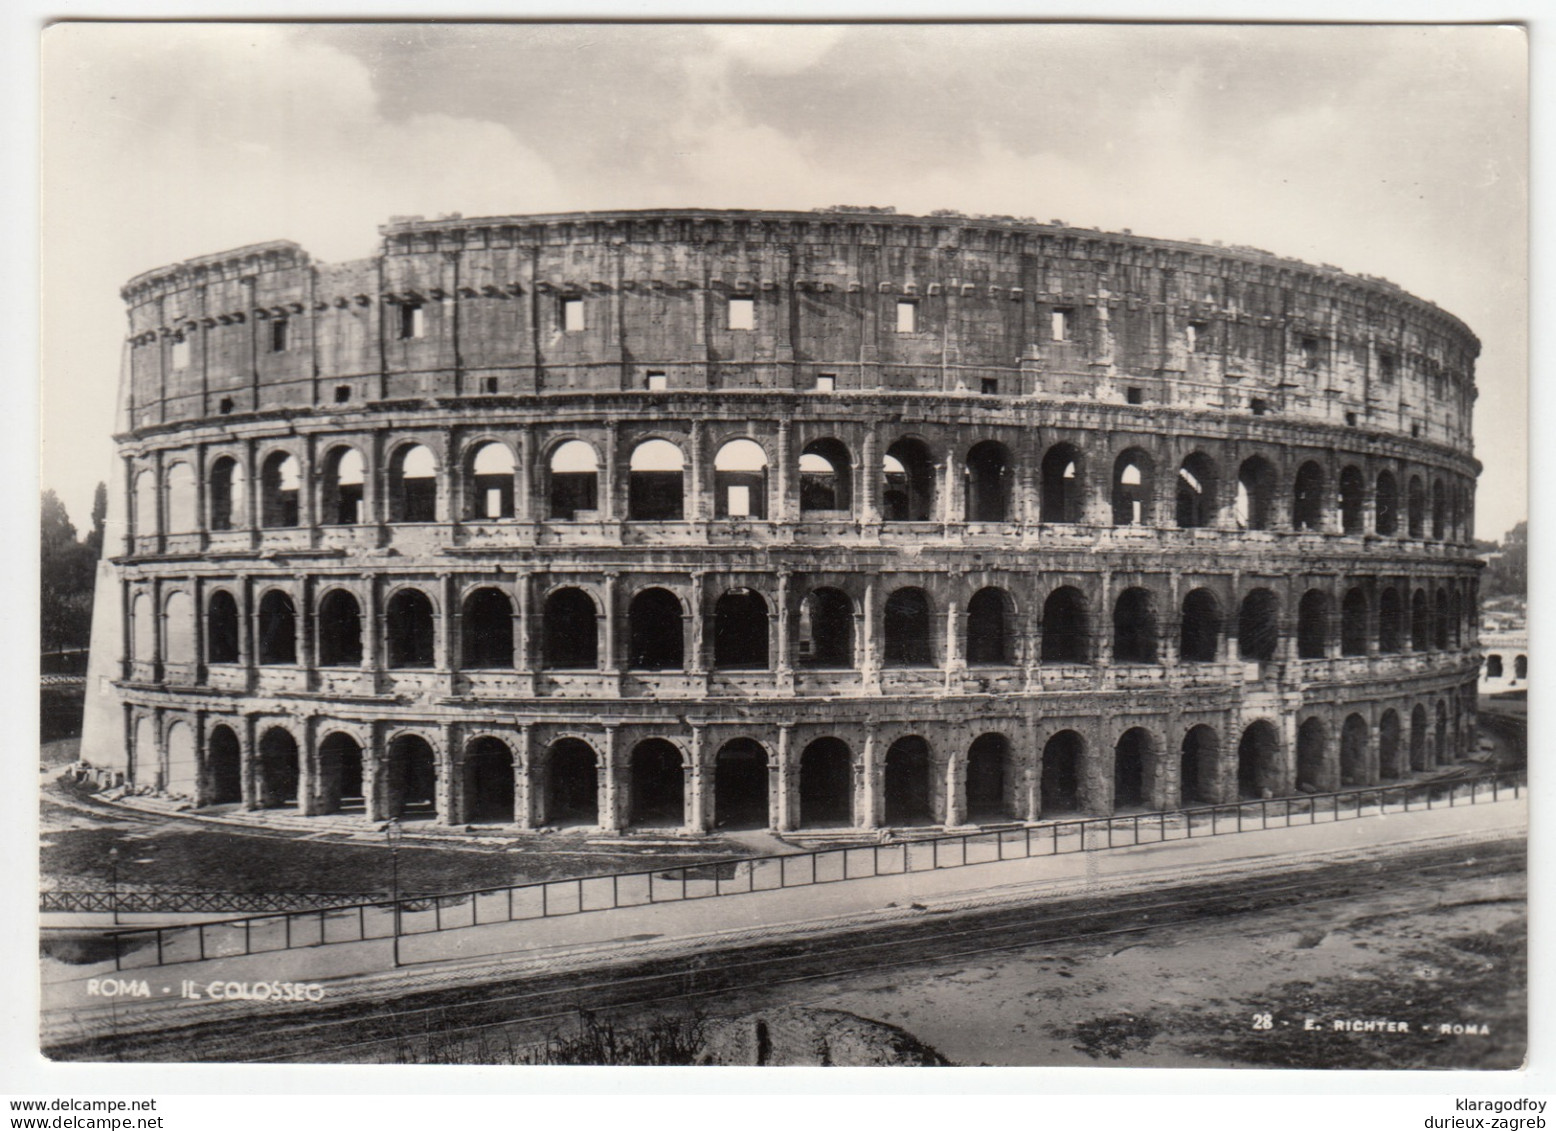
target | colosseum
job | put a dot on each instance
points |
(704, 520)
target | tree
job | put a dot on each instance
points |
(1507, 568)
(94, 540)
(68, 573)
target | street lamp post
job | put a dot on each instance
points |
(113, 887)
(392, 831)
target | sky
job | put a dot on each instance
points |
(1390, 151)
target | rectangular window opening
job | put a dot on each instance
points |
(572, 314)
(225, 407)
(657, 382)
(1134, 395)
(990, 386)
(342, 394)
(412, 320)
(1387, 368)
(278, 329)
(1198, 335)
(1061, 325)
(907, 316)
(181, 353)
(742, 313)
(1350, 419)
(488, 384)
(1309, 353)
(739, 502)
(826, 383)
(1258, 406)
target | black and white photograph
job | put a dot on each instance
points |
(860, 544)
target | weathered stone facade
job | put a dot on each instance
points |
(947, 520)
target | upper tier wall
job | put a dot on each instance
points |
(474, 307)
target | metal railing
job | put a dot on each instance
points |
(543, 899)
(160, 901)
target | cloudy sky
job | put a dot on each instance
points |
(1391, 151)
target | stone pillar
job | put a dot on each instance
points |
(698, 665)
(781, 631)
(608, 657)
(308, 771)
(447, 510)
(444, 655)
(1104, 620)
(523, 768)
(696, 507)
(700, 812)
(522, 655)
(869, 650)
(611, 505)
(955, 789)
(953, 506)
(867, 814)
(609, 803)
(869, 493)
(783, 504)
(247, 768)
(781, 808)
(954, 660)
(524, 477)
(447, 794)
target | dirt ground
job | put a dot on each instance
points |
(1258, 990)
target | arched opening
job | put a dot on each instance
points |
(1416, 504)
(908, 494)
(740, 785)
(183, 768)
(345, 478)
(341, 788)
(572, 784)
(1445, 753)
(1313, 625)
(1420, 622)
(1418, 738)
(488, 782)
(277, 769)
(277, 629)
(143, 622)
(1391, 622)
(1255, 506)
(907, 628)
(575, 482)
(1494, 666)
(1439, 510)
(1196, 505)
(740, 630)
(1389, 768)
(1062, 496)
(280, 480)
(221, 628)
(146, 504)
(1200, 636)
(183, 510)
(826, 784)
(1132, 473)
(1134, 764)
(1353, 623)
(224, 765)
(656, 482)
(1258, 625)
(179, 630)
(907, 791)
(1312, 753)
(826, 475)
(989, 635)
(411, 779)
(740, 480)
(1258, 761)
(1353, 490)
(408, 630)
(413, 485)
(1386, 504)
(988, 775)
(654, 638)
(489, 473)
(226, 485)
(1353, 751)
(486, 630)
(1197, 766)
(1441, 621)
(988, 482)
(340, 630)
(1060, 784)
(826, 629)
(1455, 619)
(570, 638)
(658, 785)
(1307, 499)
(1066, 628)
(1134, 627)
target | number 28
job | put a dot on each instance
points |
(1263, 1021)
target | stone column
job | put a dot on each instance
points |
(955, 789)
(308, 771)
(696, 506)
(450, 809)
(869, 650)
(698, 665)
(781, 808)
(523, 768)
(1104, 621)
(699, 807)
(611, 506)
(524, 477)
(521, 623)
(784, 508)
(608, 658)
(954, 660)
(869, 493)
(867, 813)
(246, 762)
(609, 803)
(781, 630)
